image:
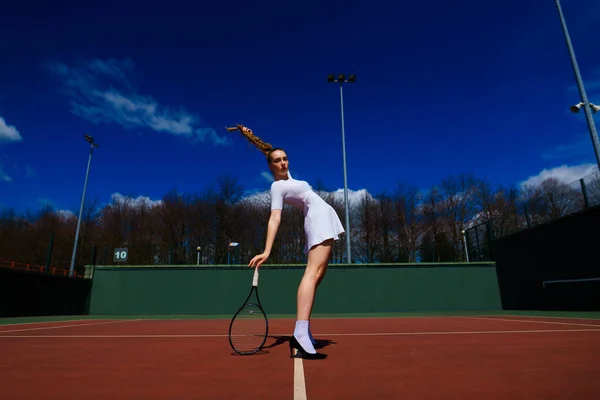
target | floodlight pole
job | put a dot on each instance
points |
(584, 99)
(341, 79)
(90, 140)
(464, 233)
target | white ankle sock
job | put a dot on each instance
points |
(302, 336)
(312, 339)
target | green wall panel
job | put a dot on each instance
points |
(346, 289)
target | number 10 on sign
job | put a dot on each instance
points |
(120, 255)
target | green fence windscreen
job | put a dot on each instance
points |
(350, 289)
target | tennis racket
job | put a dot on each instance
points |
(249, 326)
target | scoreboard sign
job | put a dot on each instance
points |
(120, 255)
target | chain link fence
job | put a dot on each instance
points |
(548, 201)
(479, 241)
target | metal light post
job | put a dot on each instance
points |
(233, 245)
(587, 109)
(464, 233)
(341, 79)
(93, 144)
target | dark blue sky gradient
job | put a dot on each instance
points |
(443, 88)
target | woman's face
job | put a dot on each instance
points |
(279, 164)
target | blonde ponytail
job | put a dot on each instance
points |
(265, 148)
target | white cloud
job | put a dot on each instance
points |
(263, 198)
(45, 202)
(565, 173)
(579, 148)
(354, 196)
(4, 177)
(8, 132)
(66, 215)
(135, 202)
(267, 176)
(592, 86)
(29, 171)
(101, 93)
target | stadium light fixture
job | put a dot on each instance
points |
(575, 109)
(93, 144)
(584, 99)
(341, 79)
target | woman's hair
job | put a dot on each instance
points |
(265, 148)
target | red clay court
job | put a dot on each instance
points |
(403, 357)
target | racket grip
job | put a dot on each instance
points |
(255, 279)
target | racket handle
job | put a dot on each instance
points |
(255, 279)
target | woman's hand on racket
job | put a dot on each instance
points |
(258, 260)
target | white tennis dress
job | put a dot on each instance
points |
(320, 219)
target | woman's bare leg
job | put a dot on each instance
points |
(312, 339)
(318, 260)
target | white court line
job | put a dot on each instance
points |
(67, 326)
(532, 322)
(367, 334)
(112, 336)
(544, 283)
(299, 380)
(544, 316)
(460, 332)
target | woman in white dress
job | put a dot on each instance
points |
(321, 225)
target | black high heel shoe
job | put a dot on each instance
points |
(318, 345)
(303, 353)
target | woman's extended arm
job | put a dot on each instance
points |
(272, 227)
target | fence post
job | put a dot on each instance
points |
(586, 201)
(491, 238)
(478, 243)
(49, 256)
(94, 251)
(527, 216)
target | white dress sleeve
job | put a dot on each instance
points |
(276, 197)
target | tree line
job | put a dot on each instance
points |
(403, 225)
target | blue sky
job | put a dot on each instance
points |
(443, 88)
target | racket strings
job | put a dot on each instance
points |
(248, 329)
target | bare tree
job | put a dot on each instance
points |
(437, 244)
(252, 214)
(386, 218)
(561, 199)
(458, 204)
(498, 205)
(409, 222)
(592, 187)
(405, 226)
(224, 194)
(551, 199)
(368, 230)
